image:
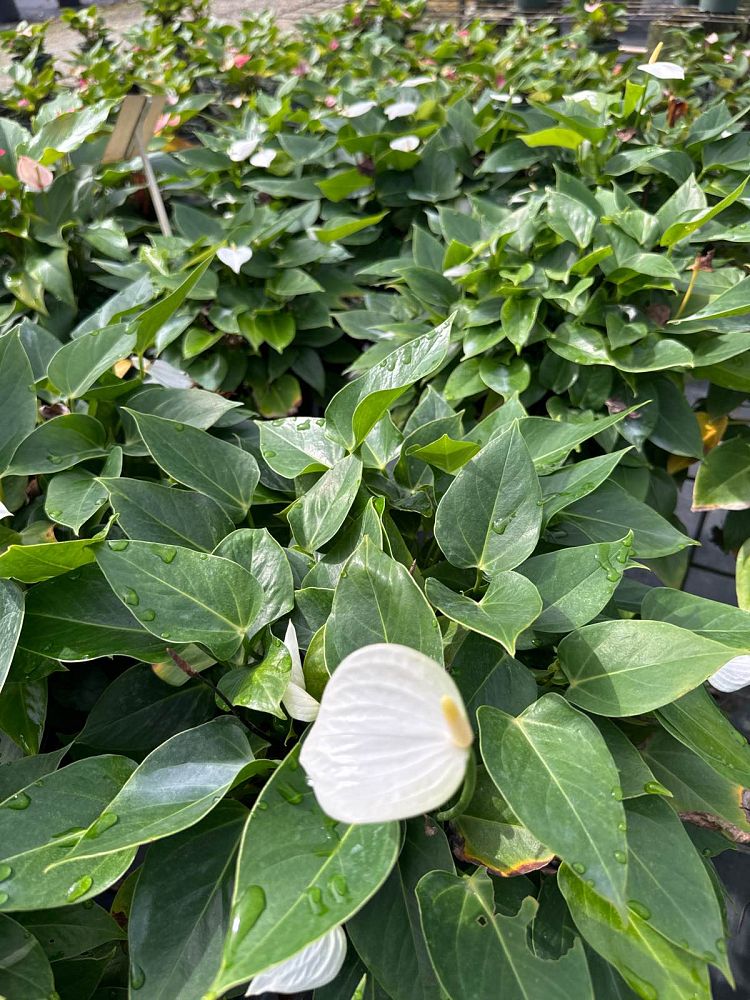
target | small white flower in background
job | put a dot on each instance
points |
(505, 98)
(298, 703)
(733, 675)
(358, 109)
(234, 257)
(317, 964)
(405, 143)
(4, 512)
(400, 109)
(263, 158)
(241, 149)
(663, 70)
(164, 374)
(416, 81)
(391, 739)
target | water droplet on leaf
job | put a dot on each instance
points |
(5, 872)
(79, 888)
(148, 615)
(130, 597)
(137, 976)
(3, 898)
(578, 867)
(118, 544)
(315, 899)
(639, 909)
(621, 857)
(165, 552)
(248, 909)
(292, 796)
(18, 801)
(104, 822)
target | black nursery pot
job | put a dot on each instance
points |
(719, 6)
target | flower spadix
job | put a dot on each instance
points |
(733, 675)
(317, 964)
(391, 739)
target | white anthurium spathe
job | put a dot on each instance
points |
(298, 703)
(234, 257)
(242, 149)
(4, 512)
(316, 965)
(357, 109)
(263, 158)
(392, 738)
(164, 374)
(663, 70)
(733, 675)
(400, 109)
(404, 143)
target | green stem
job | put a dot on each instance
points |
(467, 792)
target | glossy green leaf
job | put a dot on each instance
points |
(295, 445)
(698, 722)
(487, 833)
(152, 513)
(551, 441)
(36, 563)
(58, 444)
(175, 786)
(735, 301)
(259, 552)
(553, 767)
(387, 933)
(194, 458)
(377, 600)
(299, 874)
(153, 319)
(138, 711)
(79, 617)
(510, 605)
(608, 514)
(35, 823)
(668, 883)
(723, 478)
(696, 786)
(486, 675)
(317, 516)
(478, 952)
(80, 362)
(446, 454)
(11, 620)
(491, 515)
(17, 397)
(183, 595)
(573, 482)
(356, 408)
(176, 937)
(25, 972)
(712, 619)
(649, 964)
(261, 687)
(576, 584)
(618, 668)
(75, 496)
(65, 932)
(636, 778)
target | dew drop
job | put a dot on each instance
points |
(315, 899)
(339, 886)
(622, 826)
(639, 909)
(72, 833)
(179, 427)
(303, 425)
(130, 597)
(406, 356)
(3, 898)
(641, 986)
(203, 556)
(94, 333)
(166, 635)
(79, 888)
(621, 857)
(262, 806)
(137, 976)
(248, 910)
(104, 822)
(54, 459)
(655, 788)
(292, 796)
(578, 867)
(165, 552)
(269, 454)
(118, 544)
(54, 514)
(18, 801)
(616, 792)
(5, 872)
(148, 615)
(499, 525)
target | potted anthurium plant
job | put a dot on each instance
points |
(377, 683)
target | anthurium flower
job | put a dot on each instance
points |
(317, 964)
(33, 174)
(733, 675)
(234, 257)
(391, 739)
(297, 702)
(663, 70)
